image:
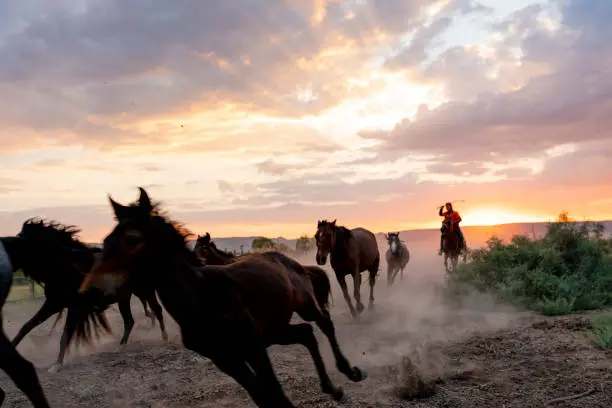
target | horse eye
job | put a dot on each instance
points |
(132, 240)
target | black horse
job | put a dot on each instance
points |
(16, 253)
(52, 256)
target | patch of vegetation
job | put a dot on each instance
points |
(568, 269)
(602, 331)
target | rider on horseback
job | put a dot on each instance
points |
(451, 220)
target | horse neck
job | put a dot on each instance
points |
(179, 284)
(341, 242)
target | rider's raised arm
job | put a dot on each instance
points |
(440, 212)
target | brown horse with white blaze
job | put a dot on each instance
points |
(228, 313)
(351, 252)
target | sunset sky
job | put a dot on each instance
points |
(258, 117)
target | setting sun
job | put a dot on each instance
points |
(494, 216)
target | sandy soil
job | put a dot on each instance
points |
(478, 353)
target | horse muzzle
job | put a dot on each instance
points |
(321, 258)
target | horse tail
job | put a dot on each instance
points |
(321, 285)
(86, 321)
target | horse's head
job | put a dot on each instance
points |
(138, 246)
(325, 239)
(394, 241)
(202, 245)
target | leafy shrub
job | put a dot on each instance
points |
(569, 269)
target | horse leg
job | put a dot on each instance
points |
(146, 310)
(389, 274)
(323, 320)
(303, 334)
(159, 314)
(68, 326)
(242, 374)
(22, 372)
(128, 320)
(373, 271)
(357, 291)
(47, 310)
(255, 353)
(342, 283)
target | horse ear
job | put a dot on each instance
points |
(207, 238)
(333, 223)
(121, 211)
(144, 202)
(319, 223)
(386, 236)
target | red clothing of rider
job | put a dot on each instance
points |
(451, 220)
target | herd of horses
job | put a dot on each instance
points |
(229, 308)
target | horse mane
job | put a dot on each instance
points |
(52, 233)
(343, 235)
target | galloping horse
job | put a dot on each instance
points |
(207, 250)
(452, 250)
(18, 253)
(351, 252)
(397, 257)
(53, 253)
(228, 313)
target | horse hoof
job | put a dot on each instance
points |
(120, 348)
(359, 374)
(338, 395)
(371, 306)
(360, 308)
(165, 337)
(55, 368)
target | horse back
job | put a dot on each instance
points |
(270, 284)
(367, 247)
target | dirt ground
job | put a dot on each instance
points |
(479, 353)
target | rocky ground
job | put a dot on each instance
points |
(475, 354)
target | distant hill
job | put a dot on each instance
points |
(476, 236)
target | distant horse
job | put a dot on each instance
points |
(56, 259)
(208, 251)
(452, 249)
(16, 253)
(352, 252)
(228, 313)
(397, 257)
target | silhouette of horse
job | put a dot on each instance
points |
(452, 249)
(59, 261)
(21, 253)
(397, 257)
(228, 313)
(206, 249)
(351, 252)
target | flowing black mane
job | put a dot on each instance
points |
(52, 234)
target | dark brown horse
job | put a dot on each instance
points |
(59, 261)
(397, 257)
(228, 313)
(36, 261)
(452, 249)
(351, 252)
(208, 251)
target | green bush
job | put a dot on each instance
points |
(569, 269)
